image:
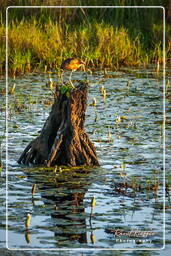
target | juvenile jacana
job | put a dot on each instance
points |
(72, 64)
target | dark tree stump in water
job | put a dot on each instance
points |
(63, 140)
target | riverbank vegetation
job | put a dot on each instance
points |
(40, 38)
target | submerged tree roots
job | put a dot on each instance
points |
(63, 140)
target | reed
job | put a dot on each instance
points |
(40, 38)
(2, 48)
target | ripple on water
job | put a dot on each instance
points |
(61, 207)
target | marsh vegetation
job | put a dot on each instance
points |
(124, 119)
(127, 130)
(40, 38)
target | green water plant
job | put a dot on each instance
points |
(1, 165)
(100, 43)
(33, 190)
(133, 181)
(12, 89)
(27, 222)
(109, 134)
(93, 203)
(66, 89)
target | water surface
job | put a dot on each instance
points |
(126, 128)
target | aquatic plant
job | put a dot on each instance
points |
(27, 222)
(102, 37)
(33, 190)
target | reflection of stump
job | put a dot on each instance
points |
(63, 140)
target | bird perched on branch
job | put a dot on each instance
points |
(72, 64)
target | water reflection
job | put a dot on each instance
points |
(66, 192)
(61, 204)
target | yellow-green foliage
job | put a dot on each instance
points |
(103, 37)
(99, 44)
(2, 48)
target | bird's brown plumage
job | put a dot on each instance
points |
(71, 64)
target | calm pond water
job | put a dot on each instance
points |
(126, 128)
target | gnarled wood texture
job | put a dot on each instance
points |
(63, 140)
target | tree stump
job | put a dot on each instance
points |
(63, 140)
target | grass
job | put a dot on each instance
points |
(134, 185)
(32, 45)
(40, 38)
(2, 48)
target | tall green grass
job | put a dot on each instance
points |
(137, 20)
(2, 48)
(100, 45)
(103, 37)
